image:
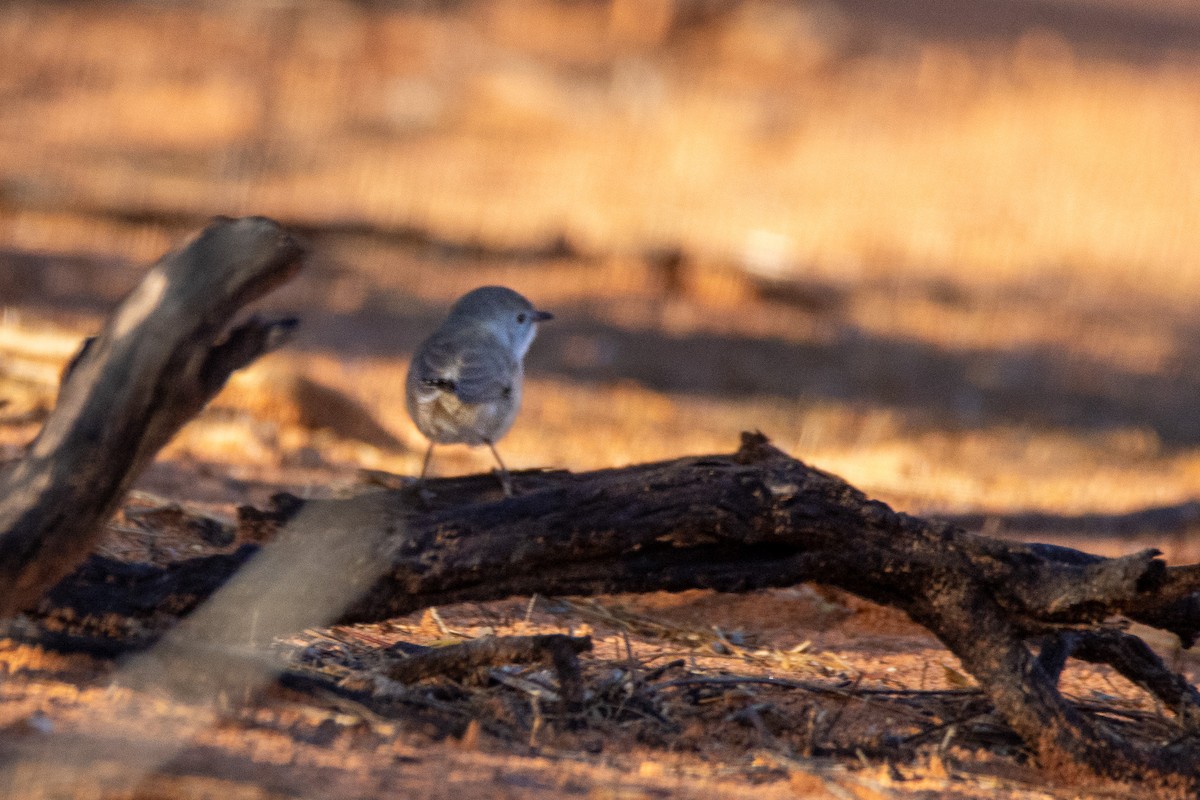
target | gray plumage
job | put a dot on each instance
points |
(464, 382)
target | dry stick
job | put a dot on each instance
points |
(1160, 522)
(377, 698)
(975, 702)
(459, 659)
(1132, 658)
(816, 688)
(841, 709)
(163, 354)
(991, 649)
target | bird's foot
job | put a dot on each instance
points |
(421, 492)
(506, 484)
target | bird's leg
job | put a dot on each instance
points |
(502, 474)
(423, 493)
(425, 464)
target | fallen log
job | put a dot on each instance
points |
(164, 353)
(1012, 612)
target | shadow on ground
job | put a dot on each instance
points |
(1122, 30)
(930, 385)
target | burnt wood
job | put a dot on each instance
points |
(747, 520)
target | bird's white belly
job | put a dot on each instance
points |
(445, 419)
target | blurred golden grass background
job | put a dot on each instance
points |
(945, 250)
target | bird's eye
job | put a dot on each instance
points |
(520, 319)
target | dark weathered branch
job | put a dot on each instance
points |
(161, 357)
(1161, 523)
(457, 660)
(1134, 659)
(752, 519)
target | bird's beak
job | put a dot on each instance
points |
(542, 316)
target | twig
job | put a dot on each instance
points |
(817, 688)
(841, 709)
(375, 697)
(460, 659)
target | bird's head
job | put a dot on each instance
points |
(507, 314)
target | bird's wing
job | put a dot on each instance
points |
(477, 369)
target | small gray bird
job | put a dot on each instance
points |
(464, 383)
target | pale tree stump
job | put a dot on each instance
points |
(165, 353)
